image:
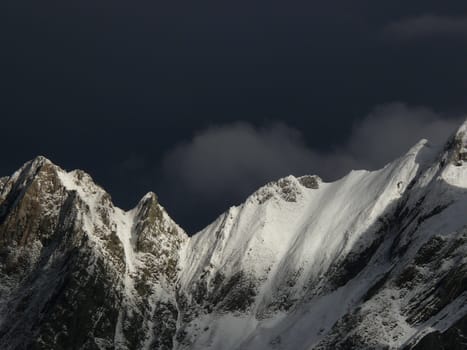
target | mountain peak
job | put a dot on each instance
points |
(458, 145)
(149, 197)
(463, 127)
(35, 165)
(40, 160)
(459, 137)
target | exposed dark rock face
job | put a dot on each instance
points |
(454, 338)
(64, 287)
(310, 181)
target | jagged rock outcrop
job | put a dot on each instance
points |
(79, 273)
(376, 260)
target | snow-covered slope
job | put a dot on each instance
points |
(374, 260)
(286, 236)
(287, 268)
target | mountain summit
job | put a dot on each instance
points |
(375, 260)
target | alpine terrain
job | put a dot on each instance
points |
(375, 260)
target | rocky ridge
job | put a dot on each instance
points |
(376, 260)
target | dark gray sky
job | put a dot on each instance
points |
(204, 101)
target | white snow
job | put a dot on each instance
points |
(273, 238)
(309, 233)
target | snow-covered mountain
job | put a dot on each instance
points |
(376, 260)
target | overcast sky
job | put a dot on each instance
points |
(203, 102)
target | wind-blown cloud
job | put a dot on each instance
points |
(427, 26)
(391, 129)
(226, 158)
(230, 159)
(223, 164)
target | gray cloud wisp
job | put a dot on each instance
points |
(426, 26)
(230, 161)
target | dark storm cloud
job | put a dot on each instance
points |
(426, 26)
(112, 86)
(226, 163)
